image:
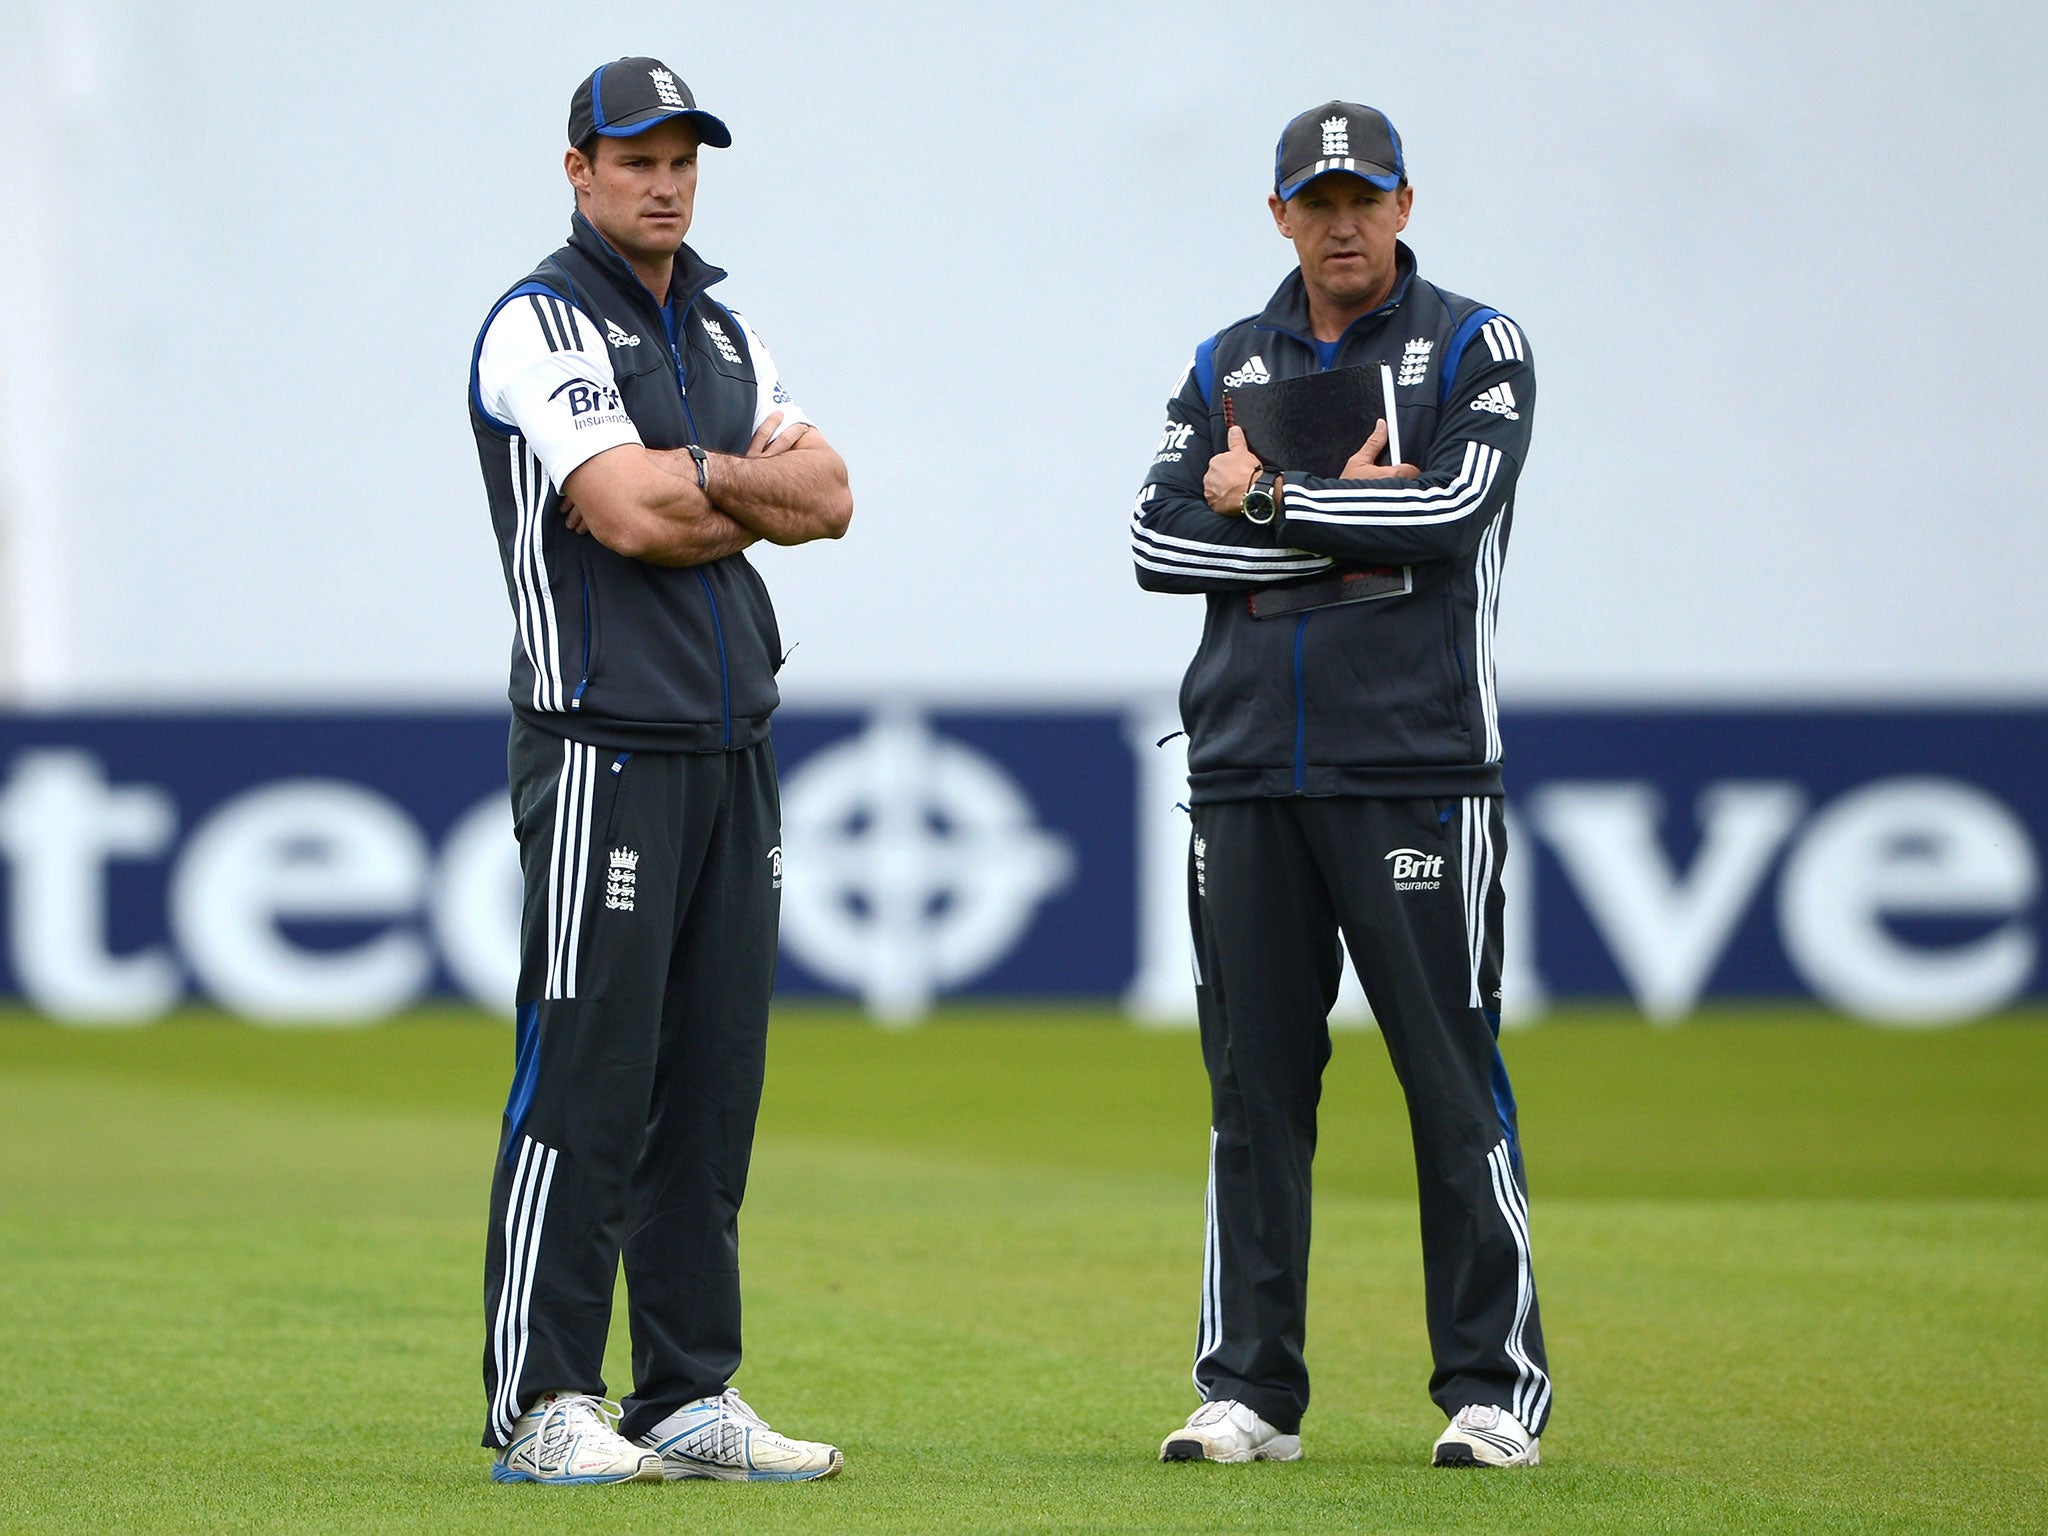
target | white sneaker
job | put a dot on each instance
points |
(567, 1437)
(722, 1437)
(1485, 1436)
(1226, 1430)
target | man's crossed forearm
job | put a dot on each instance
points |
(647, 504)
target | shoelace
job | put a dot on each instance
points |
(562, 1417)
(1209, 1413)
(736, 1406)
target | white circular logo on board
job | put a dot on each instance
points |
(915, 864)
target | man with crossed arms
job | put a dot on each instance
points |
(636, 439)
(1344, 764)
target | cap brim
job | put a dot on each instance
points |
(710, 130)
(1379, 175)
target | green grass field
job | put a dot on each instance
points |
(1794, 1278)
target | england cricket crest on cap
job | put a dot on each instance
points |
(621, 880)
(665, 88)
(1336, 137)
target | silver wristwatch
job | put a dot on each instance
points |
(1259, 501)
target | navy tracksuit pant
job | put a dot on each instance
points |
(1414, 886)
(653, 888)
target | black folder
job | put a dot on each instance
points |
(1312, 424)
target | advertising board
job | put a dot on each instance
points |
(327, 866)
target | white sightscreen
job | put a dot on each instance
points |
(1781, 268)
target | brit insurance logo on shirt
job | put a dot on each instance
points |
(1173, 443)
(591, 404)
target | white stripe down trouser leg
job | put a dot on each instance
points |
(525, 1216)
(1532, 1383)
(1481, 859)
(1210, 1332)
(569, 866)
(531, 1171)
(1478, 867)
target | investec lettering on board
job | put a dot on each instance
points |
(343, 867)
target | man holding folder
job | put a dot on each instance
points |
(1345, 766)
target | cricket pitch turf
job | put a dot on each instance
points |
(1794, 1277)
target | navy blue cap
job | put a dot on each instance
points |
(1338, 136)
(630, 96)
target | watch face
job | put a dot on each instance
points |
(1258, 506)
